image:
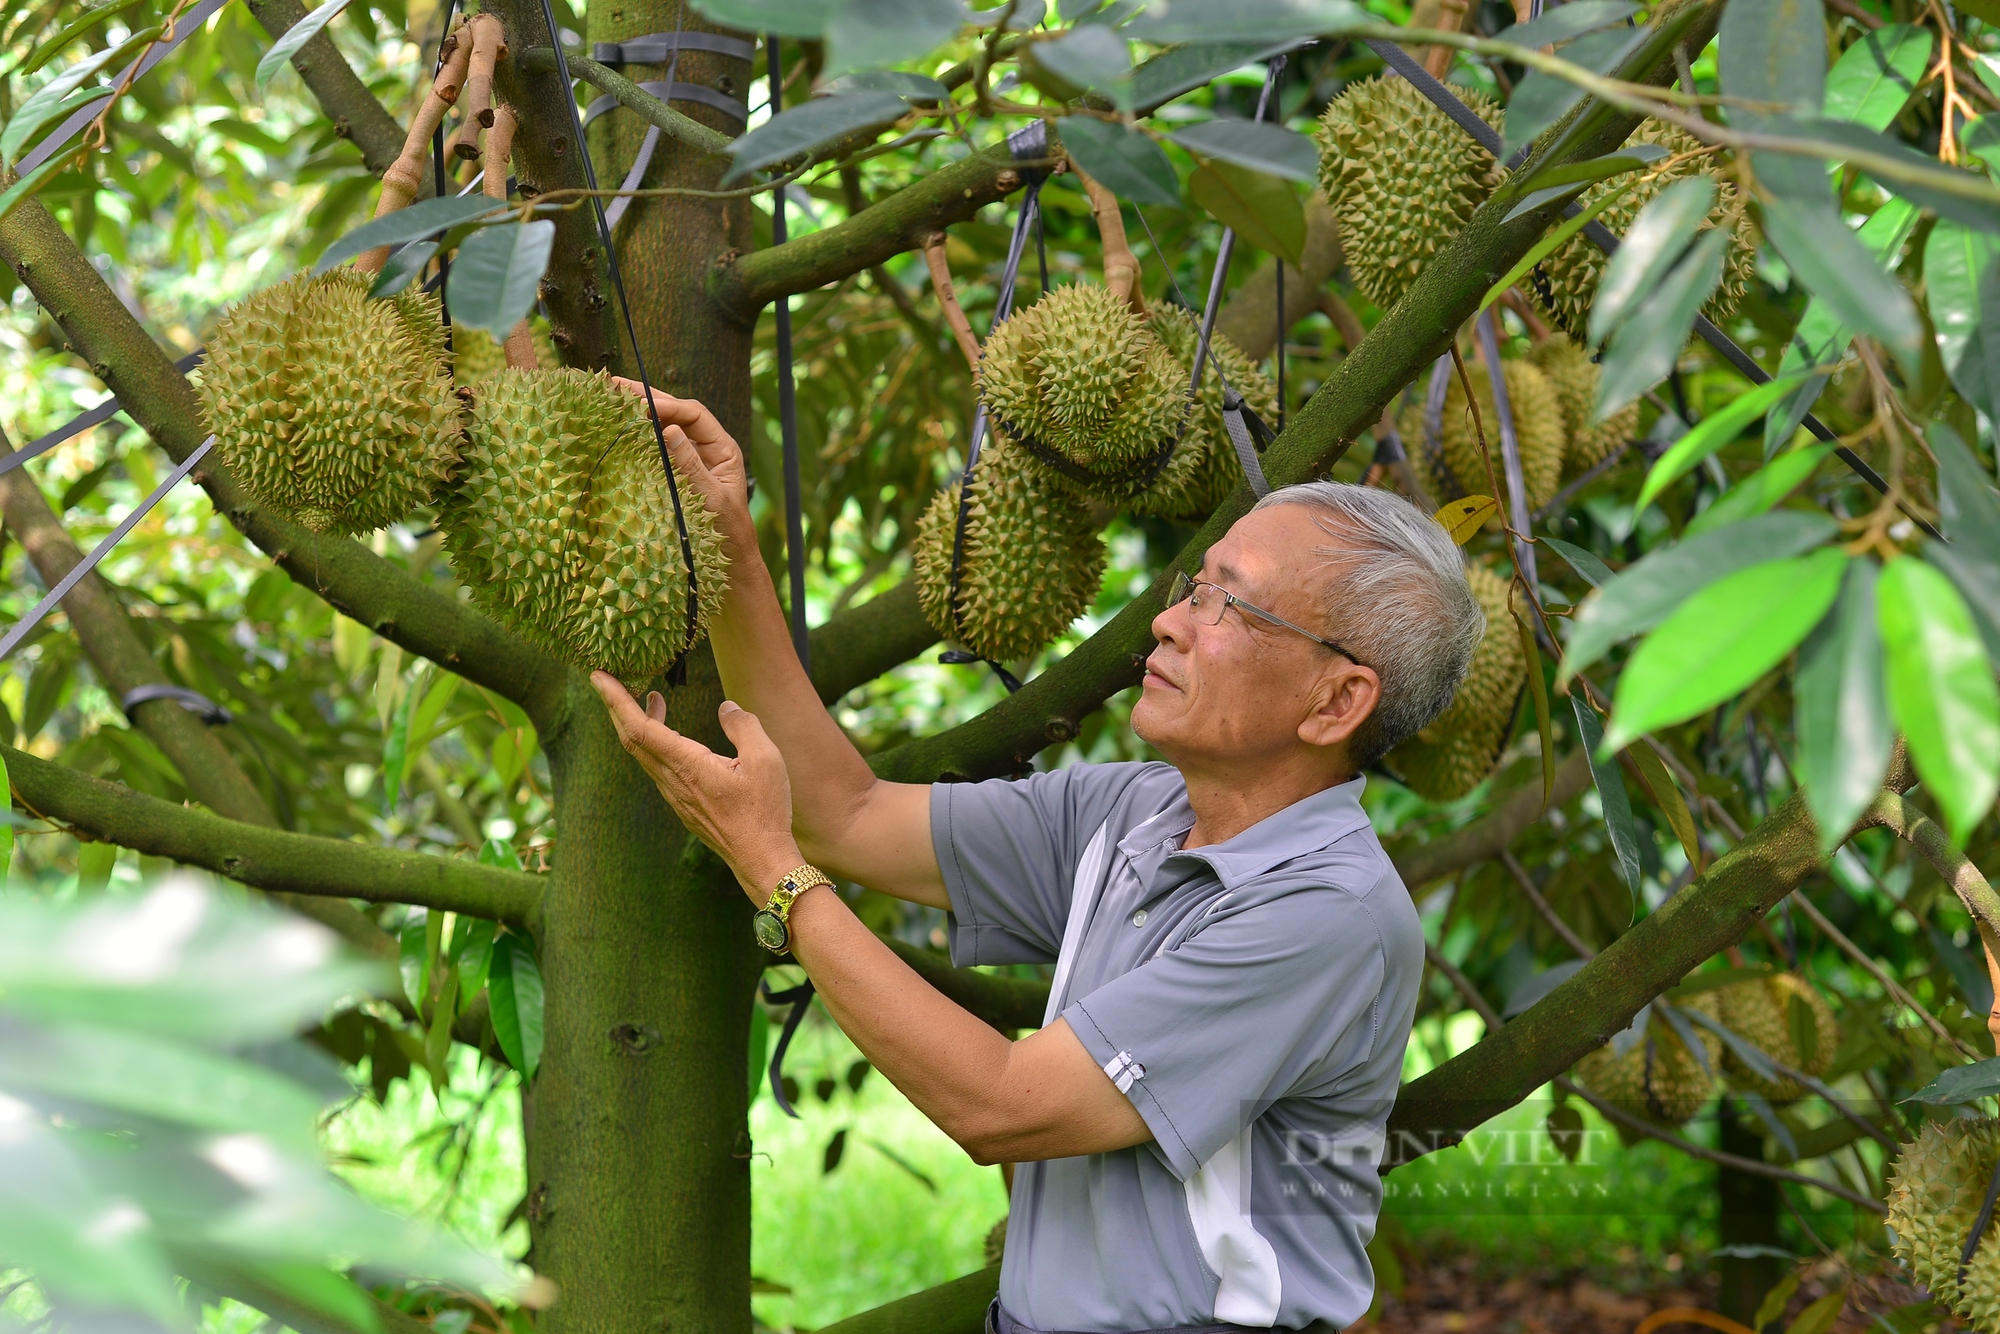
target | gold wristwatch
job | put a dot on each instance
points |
(773, 922)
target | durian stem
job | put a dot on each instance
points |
(406, 175)
(489, 46)
(1451, 18)
(1121, 266)
(499, 154)
(947, 295)
(1895, 814)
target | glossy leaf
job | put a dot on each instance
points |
(1760, 491)
(1773, 51)
(1182, 69)
(1721, 640)
(867, 33)
(811, 125)
(514, 988)
(52, 99)
(1594, 571)
(1841, 712)
(1542, 99)
(1548, 183)
(1464, 517)
(1648, 344)
(1259, 146)
(1120, 159)
(472, 951)
(787, 18)
(1648, 590)
(498, 272)
(1980, 138)
(1957, 261)
(1713, 433)
(1982, 213)
(426, 217)
(1969, 512)
(1090, 58)
(1611, 796)
(1260, 209)
(1165, 22)
(294, 40)
(910, 87)
(1877, 75)
(403, 267)
(1574, 19)
(30, 185)
(1941, 691)
(1667, 799)
(1837, 269)
(53, 46)
(1658, 237)
(1962, 1084)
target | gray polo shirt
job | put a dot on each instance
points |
(1252, 998)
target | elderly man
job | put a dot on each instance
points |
(1199, 1121)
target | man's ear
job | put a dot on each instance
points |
(1347, 695)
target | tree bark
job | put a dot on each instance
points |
(1749, 1218)
(355, 113)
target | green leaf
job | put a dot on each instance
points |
(1761, 490)
(1962, 1084)
(404, 265)
(1538, 691)
(1983, 213)
(1819, 1317)
(1563, 178)
(866, 33)
(423, 722)
(1878, 74)
(1715, 431)
(69, 32)
(1956, 261)
(94, 861)
(1574, 19)
(910, 87)
(1542, 99)
(31, 184)
(1658, 237)
(787, 18)
(1775, 1300)
(472, 951)
(1594, 571)
(1556, 239)
(6, 827)
(426, 217)
(515, 990)
(1773, 51)
(324, 1290)
(810, 126)
(1648, 590)
(413, 960)
(1842, 712)
(1166, 22)
(1941, 691)
(294, 40)
(1611, 796)
(1120, 159)
(499, 852)
(1088, 58)
(1648, 344)
(1980, 137)
(497, 274)
(395, 753)
(27, 121)
(1186, 68)
(1262, 210)
(1271, 150)
(1969, 511)
(1837, 269)
(50, 101)
(1721, 640)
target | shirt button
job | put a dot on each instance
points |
(1139, 918)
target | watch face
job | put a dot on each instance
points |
(771, 931)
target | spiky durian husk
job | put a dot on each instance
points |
(332, 408)
(1759, 1012)
(1031, 562)
(1935, 1188)
(1457, 751)
(1402, 178)
(562, 525)
(1204, 468)
(1538, 427)
(476, 354)
(1658, 1079)
(1574, 376)
(1572, 272)
(1081, 373)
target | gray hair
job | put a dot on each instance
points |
(1398, 598)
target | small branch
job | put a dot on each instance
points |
(860, 643)
(270, 858)
(489, 46)
(1490, 836)
(1121, 266)
(405, 175)
(1463, 985)
(1876, 971)
(1556, 923)
(947, 295)
(654, 111)
(1003, 1002)
(355, 112)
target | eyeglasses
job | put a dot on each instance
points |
(1206, 603)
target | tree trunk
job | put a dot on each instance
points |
(1749, 1218)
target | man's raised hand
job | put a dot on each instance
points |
(741, 808)
(708, 454)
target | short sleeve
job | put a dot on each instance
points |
(1009, 850)
(1254, 1003)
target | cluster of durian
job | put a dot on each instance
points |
(1204, 468)
(1771, 1013)
(332, 407)
(339, 411)
(1458, 750)
(476, 355)
(1029, 565)
(1402, 178)
(1540, 427)
(1657, 1078)
(1573, 271)
(1574, 376)
(562, 525)
(1936, 1187)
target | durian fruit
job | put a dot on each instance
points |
(1538, 426)
(1080, 373)
(1657, 1078)
(476, 354)
(1204, 468)
(1457, 751)
(1574, 376)
(330, 407)
(1402, 178)
(1760, 1012)
(562, 525)
(1568, 279)
(1031, 562)
(1936, 1186)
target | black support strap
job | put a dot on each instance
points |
(800, 999)
(196, 703)
(659, 47)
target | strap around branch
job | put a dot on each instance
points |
(196, 703)
(658, 48)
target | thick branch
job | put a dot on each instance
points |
(1490, 835)
(863, 642)
(356, 114)
(745, 284)
(957, 1307)
(349, 576)
(683, 129)
(1004, 1002)
(269, 858)
(1409, 338)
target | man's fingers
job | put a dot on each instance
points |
(744, 731)
(638, 731)
(656, 706)
(688, 413)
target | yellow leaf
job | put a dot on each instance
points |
(1462, 518)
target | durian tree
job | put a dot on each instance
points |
(1702, 833)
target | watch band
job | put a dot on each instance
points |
(773, 922)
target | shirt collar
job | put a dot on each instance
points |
(1306, 826)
